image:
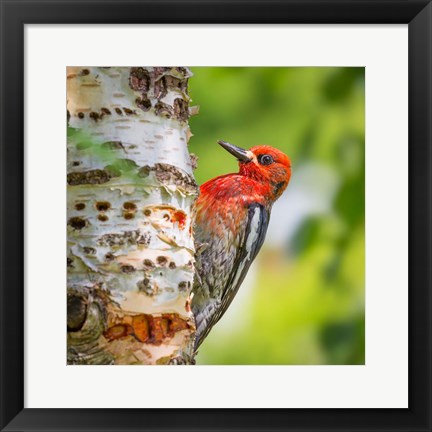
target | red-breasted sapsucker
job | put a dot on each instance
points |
(231, 218)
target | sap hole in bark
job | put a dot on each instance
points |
(76, 312)
(70, 262)
(130, 206)
(129, 215)
(76, 163)
(147, 212)
(172, 265)
(77, 223)
(106, 111)
(94, 116)
(127, 269)
(162, 260)
(128, 111)
(89, 250)
(84, 72)
(81, 115)
(102, 217)
(182, 286)
(80, 206)
(148, 264)
(118, 111)
(109, 256)
(143, 103)
(103, 206)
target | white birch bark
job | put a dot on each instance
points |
(130, 191)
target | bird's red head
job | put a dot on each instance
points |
(264, 164)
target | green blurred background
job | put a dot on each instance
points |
(303, 301)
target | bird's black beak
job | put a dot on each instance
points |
(242, 155)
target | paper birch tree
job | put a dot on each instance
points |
(130, 251)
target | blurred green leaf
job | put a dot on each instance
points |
(305, 302)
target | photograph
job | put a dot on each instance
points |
(247, 205)
(215, 215)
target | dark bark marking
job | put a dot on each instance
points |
(112, 145)
(143, 103)
(194, 161)
(94, 116)
(182, 286)
(125, 238)
(155, 84)
(109, 257)
(145, 287)
(148, 264)
(77, 223)
(128, 111)
(96, 176)
(162, 260)
(139, 79)
(76, 312)
(89, 250)
(80, 206)
(102, 206)
(129, 206)
(127, 269)
(181, 109)
(171, 175)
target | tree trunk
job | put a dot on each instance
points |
(130, 191)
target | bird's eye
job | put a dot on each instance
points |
(265, 159)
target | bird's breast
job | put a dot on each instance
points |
(222, 205)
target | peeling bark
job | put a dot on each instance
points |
(130, 251)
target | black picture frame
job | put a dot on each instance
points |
(14, 15)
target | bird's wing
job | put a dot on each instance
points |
(251, 240)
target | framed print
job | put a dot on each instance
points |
(242, 241)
